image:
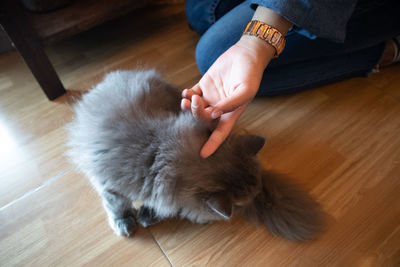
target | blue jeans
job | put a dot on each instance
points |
(305, 63)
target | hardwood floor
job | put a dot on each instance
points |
(342, 141)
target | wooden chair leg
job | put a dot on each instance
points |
(30, 48)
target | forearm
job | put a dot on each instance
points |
(272, 18)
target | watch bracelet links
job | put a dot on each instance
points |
(266, 33)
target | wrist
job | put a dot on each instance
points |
(260, 50)
(268, 27)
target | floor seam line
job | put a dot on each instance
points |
(160, 247)
(28, 193)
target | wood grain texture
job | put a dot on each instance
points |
(341, 141)
(32, 134)
(49, 228)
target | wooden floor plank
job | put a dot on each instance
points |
(64, 224)
(32, 134)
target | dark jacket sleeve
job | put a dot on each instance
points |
(322, 18)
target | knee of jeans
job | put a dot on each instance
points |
(199, 14)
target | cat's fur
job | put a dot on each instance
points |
(133, 142)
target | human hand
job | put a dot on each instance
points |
(228, 87)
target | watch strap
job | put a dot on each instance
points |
(266, 33)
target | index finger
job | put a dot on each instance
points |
(195, 90)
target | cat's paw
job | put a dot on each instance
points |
(146, 216)
(123, 226)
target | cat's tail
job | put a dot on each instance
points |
(285, 209)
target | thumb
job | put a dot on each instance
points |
(240, 98)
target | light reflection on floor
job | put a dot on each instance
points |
(10, 153)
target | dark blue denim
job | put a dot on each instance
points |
(202, 14)
(305, 62)
(323, 18)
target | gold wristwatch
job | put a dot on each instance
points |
(267, 33)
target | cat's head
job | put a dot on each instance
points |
(218, 186)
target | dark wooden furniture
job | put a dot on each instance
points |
(31, 31)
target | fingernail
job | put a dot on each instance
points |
(216, 114)
(182, 105)
(204, 154)
(195, 102)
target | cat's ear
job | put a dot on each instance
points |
(251, 143)
(221, 205)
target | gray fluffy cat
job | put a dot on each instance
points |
(135, 144)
